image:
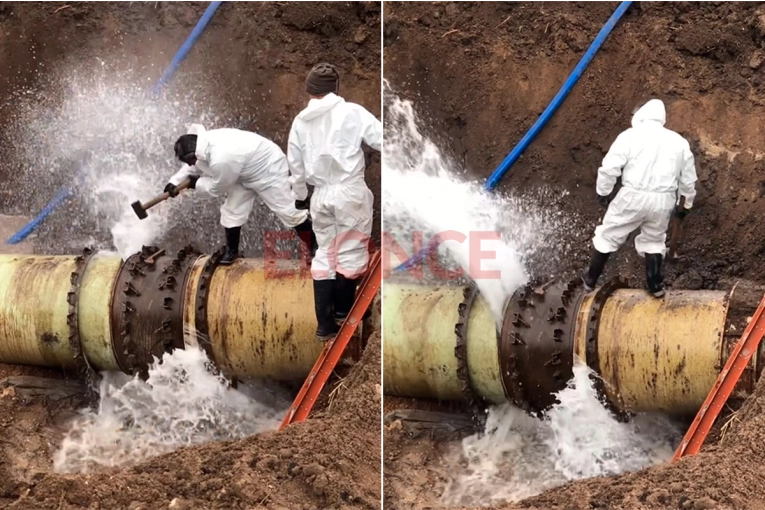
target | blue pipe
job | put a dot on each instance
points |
(66, 192)
(190, 41)
(511, 158)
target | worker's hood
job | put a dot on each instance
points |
(202, 142)
(318, 107)
(195, 129)
(652, 111)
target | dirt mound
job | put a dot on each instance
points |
(250, 63)
(483, 72)
(330, 461)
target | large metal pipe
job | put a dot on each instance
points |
(651, 355)
(95, 312)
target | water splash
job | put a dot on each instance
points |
(520, 456)
(182, 403)
(427, 192)
(96, 131)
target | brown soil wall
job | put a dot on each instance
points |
(251, 59)
(482, 73)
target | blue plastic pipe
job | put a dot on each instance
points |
(511, 158)
(190, 41)
(66, 192)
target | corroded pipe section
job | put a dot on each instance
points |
(419, 344)
(34, 310)
(652, 355)
(93, 312)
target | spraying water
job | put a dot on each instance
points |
(181, 404)
(426, 192)
(518, 456)
(95, 130)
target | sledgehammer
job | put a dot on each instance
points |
(140, 209)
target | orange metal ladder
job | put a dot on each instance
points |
(334, 348)
(723, 387)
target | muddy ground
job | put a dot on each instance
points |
(330, 461)
(481, 73)
(255, 56)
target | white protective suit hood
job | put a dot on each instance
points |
(325, 151)
(652, 111)
(318, 107)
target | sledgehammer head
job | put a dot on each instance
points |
(139, 210)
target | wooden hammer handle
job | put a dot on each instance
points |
(164, 196)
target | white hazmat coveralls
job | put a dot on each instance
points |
(654, 163)
(241, 165)
(325, 151)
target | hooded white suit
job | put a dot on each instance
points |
(241, 165)
(656, 166)
(325, 151)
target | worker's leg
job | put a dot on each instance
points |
(651, 242)
(276, 195)
(622, 217)
(233, 214)
(322, 270)
(354, 231)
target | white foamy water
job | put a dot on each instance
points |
(95, 130)
(520, 456)
(112, 196)
(427, 192)
(180, 404)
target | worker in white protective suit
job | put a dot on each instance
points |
(657, 169)
(240, 165)
(325, 151)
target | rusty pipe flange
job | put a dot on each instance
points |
(535, 345)
(476, 402)
(147, 307)
(591, 349)
(72, 320)
(203, 287)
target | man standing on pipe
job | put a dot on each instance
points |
(241, 165)
(657, 168)
(325, 151)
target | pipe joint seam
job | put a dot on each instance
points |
(592, 355)
(476, 402)
(200, 316)
(84, 370)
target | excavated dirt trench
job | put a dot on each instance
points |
(252, 58)
(481, 73)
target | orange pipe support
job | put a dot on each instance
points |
(334, 349)
(723, 387)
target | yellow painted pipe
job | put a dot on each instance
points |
(419, 342)
(94, 311)
(653, 355)
(34, 309)
(261, 325)
(658, 355)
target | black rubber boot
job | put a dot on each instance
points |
(653, 274)
(307, 236)
(345, 296)
(324, 297)
(597, 264)
(232, 246)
